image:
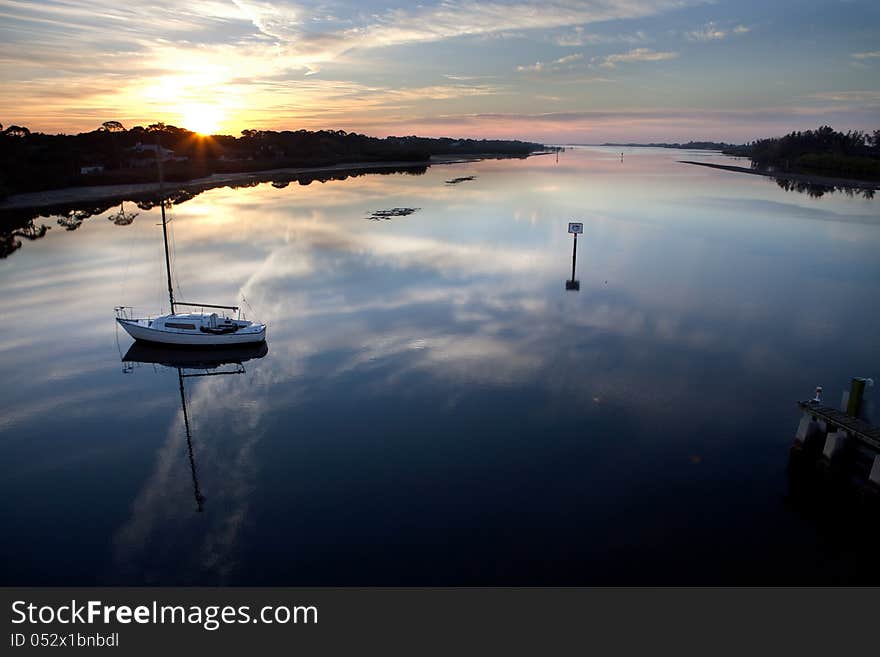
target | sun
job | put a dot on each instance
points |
(201, 118)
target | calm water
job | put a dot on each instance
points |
(435, 407)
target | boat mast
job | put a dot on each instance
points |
(164, 226)
(200, 499)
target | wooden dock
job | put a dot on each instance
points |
(857, 428)
(845, 441)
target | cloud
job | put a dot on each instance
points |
(709, 32)
(870, 97)
(466, 78)
(636, 55)
(580, 37)
(445, 20)
(570, 58)
(71, 64)
(555, 65)
(649, 124)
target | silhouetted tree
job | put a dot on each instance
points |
(17, 131)
(823, 150)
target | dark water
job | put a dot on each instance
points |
(435, 407)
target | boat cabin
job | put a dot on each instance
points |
(197, 322)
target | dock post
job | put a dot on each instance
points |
(856, 392)
(835, 443)
(874, 477)
(807, 429)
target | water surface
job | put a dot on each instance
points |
(434, 406)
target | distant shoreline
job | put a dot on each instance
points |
(810, 179)
(70, 196)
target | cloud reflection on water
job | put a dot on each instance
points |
(685, 303)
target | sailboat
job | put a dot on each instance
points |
(194, 329)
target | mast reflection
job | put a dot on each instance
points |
(202, 363)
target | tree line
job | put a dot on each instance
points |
(690, 145)
(113, 154)
(853, 154)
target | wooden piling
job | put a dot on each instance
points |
(856, 392)
(874, 477)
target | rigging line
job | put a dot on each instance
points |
(173, 239)
(124, 280)
(170, 246)
(158, 275)
(251, 308)
(173, 251)
(160, 292)
(170, 232)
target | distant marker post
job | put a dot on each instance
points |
(575, 228)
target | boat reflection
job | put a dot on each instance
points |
(184, 357)
(193, 363)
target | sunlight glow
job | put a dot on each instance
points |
(202, 118)
(293, 65)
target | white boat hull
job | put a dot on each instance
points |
(139, 331)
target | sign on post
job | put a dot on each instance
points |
(575, 228)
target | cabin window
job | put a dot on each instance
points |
(180, 325)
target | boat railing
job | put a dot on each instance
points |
(127, 312)
(123, 312)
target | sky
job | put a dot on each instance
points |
(560, 71)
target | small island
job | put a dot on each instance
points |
(690, 145)
(823, 157)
